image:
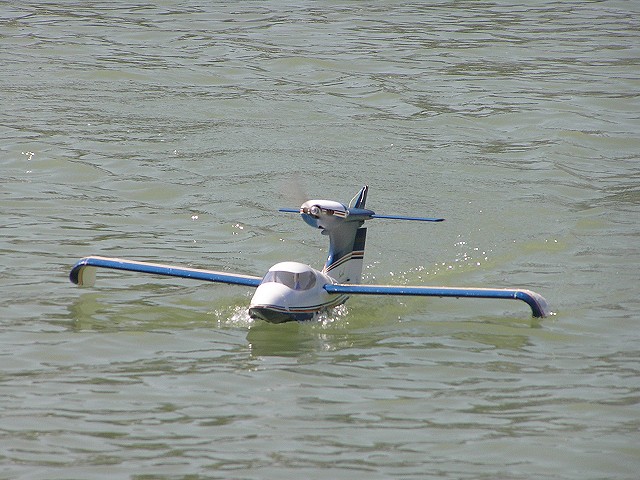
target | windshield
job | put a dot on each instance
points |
(295, 281)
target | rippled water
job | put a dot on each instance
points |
(171, 132)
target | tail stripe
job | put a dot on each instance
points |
(356, 255)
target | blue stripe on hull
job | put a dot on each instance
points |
(279, 314)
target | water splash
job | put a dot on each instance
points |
(233, 316)
(466, 258)
(331, 317)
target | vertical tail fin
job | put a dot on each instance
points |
(360, 199)
(346, 245)
(345, 265)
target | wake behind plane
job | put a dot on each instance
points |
(293, 291)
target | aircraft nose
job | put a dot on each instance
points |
(270, 303)
(271, 294)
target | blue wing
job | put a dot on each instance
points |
(83, 272)
(538, 304)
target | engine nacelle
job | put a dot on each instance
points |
(323, 214)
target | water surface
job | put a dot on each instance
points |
(172, 133)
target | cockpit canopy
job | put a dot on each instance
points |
(294, 278)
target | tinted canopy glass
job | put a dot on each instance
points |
(295, 281)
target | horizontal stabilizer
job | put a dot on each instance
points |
(370, 214)
(415, 219)
(538, 304)
(83, 272)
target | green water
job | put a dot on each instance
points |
(172, 132)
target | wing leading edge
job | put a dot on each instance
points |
(84, 272)
(538, 304)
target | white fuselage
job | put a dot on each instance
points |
(292, 291)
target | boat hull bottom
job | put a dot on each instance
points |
(271, 315)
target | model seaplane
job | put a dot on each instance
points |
(292, 291)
